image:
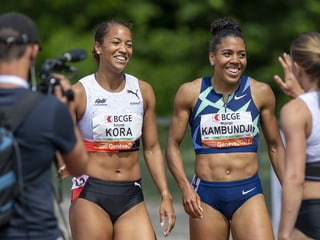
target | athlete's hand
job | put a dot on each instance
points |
(290, 86)
(167, 210)
(62, 171)
(192, 203)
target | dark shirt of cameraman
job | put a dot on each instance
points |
(47, 128)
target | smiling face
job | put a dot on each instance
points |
(116, 50)
(229, 59)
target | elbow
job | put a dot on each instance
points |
(168, 155)
(171, 149)
(78, 170)
(77, 162)
(296, 180)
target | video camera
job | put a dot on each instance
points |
(50, 66)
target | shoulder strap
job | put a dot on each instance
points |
(15, 114)
(205, 83)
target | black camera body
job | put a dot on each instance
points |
(50, 66)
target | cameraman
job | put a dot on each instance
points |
(47, 128)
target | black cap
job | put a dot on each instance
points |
(17, 28)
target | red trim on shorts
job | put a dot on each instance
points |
(75, 193)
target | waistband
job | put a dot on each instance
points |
(113, 183)
(312, 171)
(227, 184)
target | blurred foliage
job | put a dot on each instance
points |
(171, 37)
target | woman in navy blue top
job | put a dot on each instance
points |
(225, 112)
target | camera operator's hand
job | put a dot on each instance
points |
(63, 90)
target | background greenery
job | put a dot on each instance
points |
(171, 39)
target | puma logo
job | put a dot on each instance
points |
(134, 93)
(137, 185)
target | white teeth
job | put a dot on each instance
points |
(233, 70)
(121, 58)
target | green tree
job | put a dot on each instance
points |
(171, 37)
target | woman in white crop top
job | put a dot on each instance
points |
(115, 111)
(300, 121)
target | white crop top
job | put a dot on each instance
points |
(112, 121)
(312, 100)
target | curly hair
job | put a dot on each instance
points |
(221, 28)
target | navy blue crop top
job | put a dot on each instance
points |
(219, 127)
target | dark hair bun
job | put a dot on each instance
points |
(224, 23)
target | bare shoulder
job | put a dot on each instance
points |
(295, 114)
(294, 107)
(79, 91)
(258, 87)
(78, 88)
(262, 93)
(145, 86)
(147, 92)
(80, 100)
(190, 89)
(188, 94)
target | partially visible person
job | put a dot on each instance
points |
(115, 112)
(276, 198)
(300, 121)
(226, 112)
(48, 128)
(275, 202)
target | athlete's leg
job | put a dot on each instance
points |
(89, 221)
(252, 221)
(213, 225)
(135, 224)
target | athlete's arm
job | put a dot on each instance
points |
(265, 101)
(77, 159)
(293, 119)
(78, 105)
(183, 103)
(154, 158)
(74, 162)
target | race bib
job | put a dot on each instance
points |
(224, 130)
(114, 132)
